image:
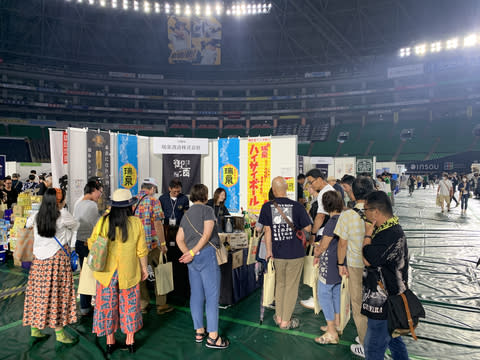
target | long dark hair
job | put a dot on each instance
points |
(118, 217)
(48, 213)
(216, 195)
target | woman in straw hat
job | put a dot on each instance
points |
(50, 295)
(118, 285)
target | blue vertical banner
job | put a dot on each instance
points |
(228, 171)
(128, 163)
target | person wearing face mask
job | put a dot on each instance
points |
(444, 192)
(464, 190)
(219, 208)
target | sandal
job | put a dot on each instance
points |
(275, 319)
(325, 329)
(200, 336)
(292, 324)
(212, 343)
(326, 338)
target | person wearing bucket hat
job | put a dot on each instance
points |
(117, 303)
(149, 210)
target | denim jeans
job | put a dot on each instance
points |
(378, 339)
(329, 299)
(204, 276)
(464, 200)
(85, 300)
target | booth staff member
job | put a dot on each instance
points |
(174, 205)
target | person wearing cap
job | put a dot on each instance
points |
(149, 210)
(117, 302)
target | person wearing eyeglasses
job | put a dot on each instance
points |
(87, 214)
(385, 255)
(318, 182)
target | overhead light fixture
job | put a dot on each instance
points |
(218, 9)
(452, 44)
(188, 11)
(157, 7)
(125, 4)
(178, 9)
(436, 47)
(405, 52)
(147, 7)
(167, 8)
(470, 40)
(103, 3)
(114, 4)
(420, 49)
(91, 2)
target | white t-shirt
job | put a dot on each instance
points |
(444, 187)
(321, 210)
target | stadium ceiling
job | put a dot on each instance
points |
(295, 34)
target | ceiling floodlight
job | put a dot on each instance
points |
(420, 49)
(405, 52)
(178, 9)
(147, 7)
(125, 4)
(436, 46)
(229, 12)
(135, 5)
(114, 4)
(91, 2)
(167, 8)
(452, 44)
(198, 10)
(79, 1)
(157, 8)
(188, 11)
(103, 3)
(218, 9)
(208, 10)
(470, 40)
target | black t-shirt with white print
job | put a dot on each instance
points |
(285, 244)
(388, 258)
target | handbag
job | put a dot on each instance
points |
(24, 249)
(269, 284)
(299, 233)
(308, 268)
(97, 257)
(87, 285)
(73, 256)
(345, 311)
(164, 276)
(253, 248)
(403, 313)
(220, 252)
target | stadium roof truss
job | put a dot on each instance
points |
(316, 33)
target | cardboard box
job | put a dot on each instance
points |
(237, 259)
(18, 211)
(238, 240)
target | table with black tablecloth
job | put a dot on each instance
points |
(237, 283)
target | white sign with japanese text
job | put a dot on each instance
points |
(178, 145)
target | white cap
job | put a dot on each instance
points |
(150, 181)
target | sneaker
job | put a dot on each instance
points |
(309, 304)
(357, 349)
(357, 340)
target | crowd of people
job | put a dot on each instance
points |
(350, 224)
(11, 186)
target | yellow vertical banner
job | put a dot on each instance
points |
(259, 165)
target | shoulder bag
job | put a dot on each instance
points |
(97, 257)
(73, 256)
(299, 233)
(220, 252)
(403, 313)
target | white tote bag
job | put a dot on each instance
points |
(345, 312)
(87, 285)
(269, 284)
(309, 269)
(164, 276)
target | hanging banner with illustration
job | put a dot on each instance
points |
(228, 171)
(259, 160)
(194, 40)
(98, 162)
(185, 168)
(128, 163)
